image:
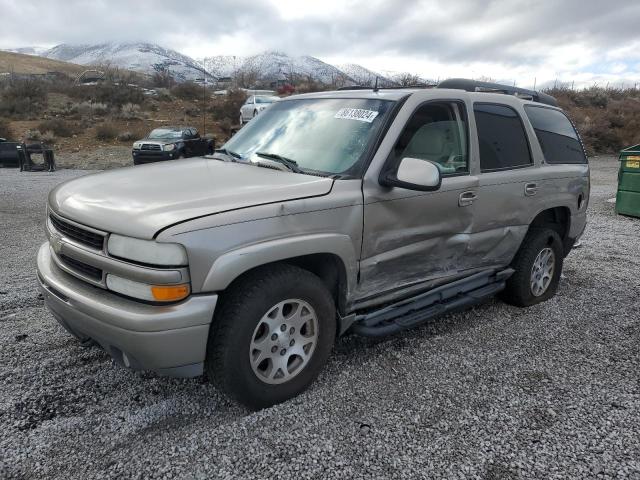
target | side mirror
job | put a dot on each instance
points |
(414, 174)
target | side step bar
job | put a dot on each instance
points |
(416, 310)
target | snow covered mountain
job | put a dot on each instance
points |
(264, 68)
(277, 66)
(364, 76)
(37, 51)
(140, 57)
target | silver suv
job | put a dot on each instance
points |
(366, 211)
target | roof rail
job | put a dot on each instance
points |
(364, 87)
(488, 87)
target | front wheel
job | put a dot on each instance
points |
(537, 265)
(271, 336)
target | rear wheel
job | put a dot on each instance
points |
(537, 265)
(271, 336)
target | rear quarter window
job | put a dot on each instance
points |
(557, 136)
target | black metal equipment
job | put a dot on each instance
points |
(488, 87)
(26, 162)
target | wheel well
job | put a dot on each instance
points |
(327, 266)
(557, 219)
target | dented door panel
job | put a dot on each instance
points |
(412, 237)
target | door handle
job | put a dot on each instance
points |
(466, 198)
(530, 189)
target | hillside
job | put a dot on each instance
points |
(276, 66)
(364, 76)
(29, 64)
(141, 57)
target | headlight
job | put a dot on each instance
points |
(169, 147)
(147, 251)
(137, 145)
(143, 291)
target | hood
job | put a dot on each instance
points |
(140, 201)
(159, 141)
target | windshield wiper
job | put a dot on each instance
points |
(228, 153)
(287, 162)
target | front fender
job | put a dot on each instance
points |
(231, 265)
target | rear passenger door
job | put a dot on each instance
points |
(508, 183)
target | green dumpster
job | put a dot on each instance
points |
(628, 197)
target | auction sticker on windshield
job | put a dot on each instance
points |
(356, 114)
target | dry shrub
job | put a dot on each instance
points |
(130, 111)
(106, 132)
(33, 135)
(607, 119)
(22, 97)
(227, 107)
(5, 129)
(48, 137)
(112, 94)
(129, 136)
(57, 126)
(87, 108)
(187, 91)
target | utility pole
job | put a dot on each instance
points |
(204, 99)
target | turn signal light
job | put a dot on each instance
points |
(170, 293)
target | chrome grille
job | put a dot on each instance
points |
(78, 234)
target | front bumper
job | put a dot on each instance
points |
(167, 339)
(145, 156)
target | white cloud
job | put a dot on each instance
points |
(583, 41)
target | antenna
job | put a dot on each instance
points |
(375, 87)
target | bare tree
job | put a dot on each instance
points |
(408, 79)
(247, 77)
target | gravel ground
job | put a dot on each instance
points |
(96, 158)
(552, 391)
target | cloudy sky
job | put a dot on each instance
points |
(581, 41)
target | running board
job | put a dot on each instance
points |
(416, 310)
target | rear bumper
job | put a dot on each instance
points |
(170, 340)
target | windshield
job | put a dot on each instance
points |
(165, 133)
(327, 135)
(266, 99)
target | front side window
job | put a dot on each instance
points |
(502, 138)
(436, 132)
(325, 135)
(558, 139)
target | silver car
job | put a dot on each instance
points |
(364, 211)
(254, 105)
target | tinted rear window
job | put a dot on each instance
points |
(558, 139)
(503, 141)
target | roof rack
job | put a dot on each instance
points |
(364, 87)
(488, 87)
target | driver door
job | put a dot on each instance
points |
(414, 239)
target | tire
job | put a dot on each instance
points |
(234, 350)
(541, 249)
